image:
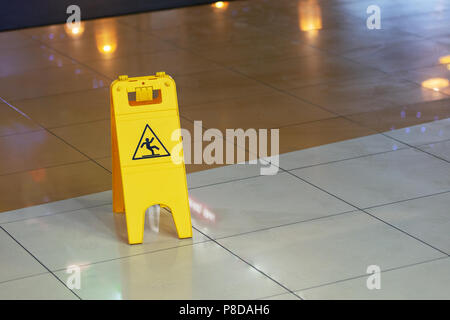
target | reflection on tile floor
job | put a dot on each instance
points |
(309, 67)
(294, 235)
(364, 143)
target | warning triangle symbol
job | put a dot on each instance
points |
(149, 146)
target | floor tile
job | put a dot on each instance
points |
(218, 31)
(312, 134)
(403, 116)
(393, 9)
(215, 85)
(105, 163)
(92, 138)
(145, 64)
(381, 179)
(16, 61)
(400, 55)
(60, 33)
(338, 151)
(296, 17)
(223, 174)
(153, 21)
(40, 287)
(258, 203)
(302, 71)
(50, 81)
(424, 133)
(350, 39)
(255, 112)
(16, 262)
(314, 253)
(201, 271)
(68, 108)
(366, 94)
(425, 218)
(238, 52)
(14, 39)
(439, 149)
(434, 78)
(429, 280)
(91, 235)
(34, 150)
(56, 207)
(111, 44)
(39, 186)
(428, 24)
(13, 122)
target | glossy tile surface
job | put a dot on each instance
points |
(403, 116)
(200, 271)
(27, 188)
(366, 94)
(347, 149)
(303, 71)
(12, 122)
(422, 134)
(320, 132)
(381, 179)
(255, 206)
(271, 110)
(16, 261)
(96, 225)
(40, 287)
(439, 149)
(91, 138)
(363, 119)
(275, 229)
(35, 150)
(416, 218)
(49, 81)
(311, 68)
(67, 108)
(431, 282)
(314, 253)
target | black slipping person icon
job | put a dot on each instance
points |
(148, 145)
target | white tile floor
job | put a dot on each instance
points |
(309, 232)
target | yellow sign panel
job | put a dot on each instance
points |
(145, 127)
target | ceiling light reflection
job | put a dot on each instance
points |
(309, 15)
(74, 30)
(444, 59)
(435, 84)
(220, 5)
(106, 37)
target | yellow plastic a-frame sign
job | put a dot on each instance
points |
(144, 117)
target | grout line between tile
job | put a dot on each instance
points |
(346, 159)
(432, 142)
(44, 167)
(286, 224)
(249, 264)
(56, 213)
(365, 275)
(137, 254)
(59, 138)
(24, 277)
(416, 148)
(371, 215)
(406, 200)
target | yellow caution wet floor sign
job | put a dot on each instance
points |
(145, 129)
